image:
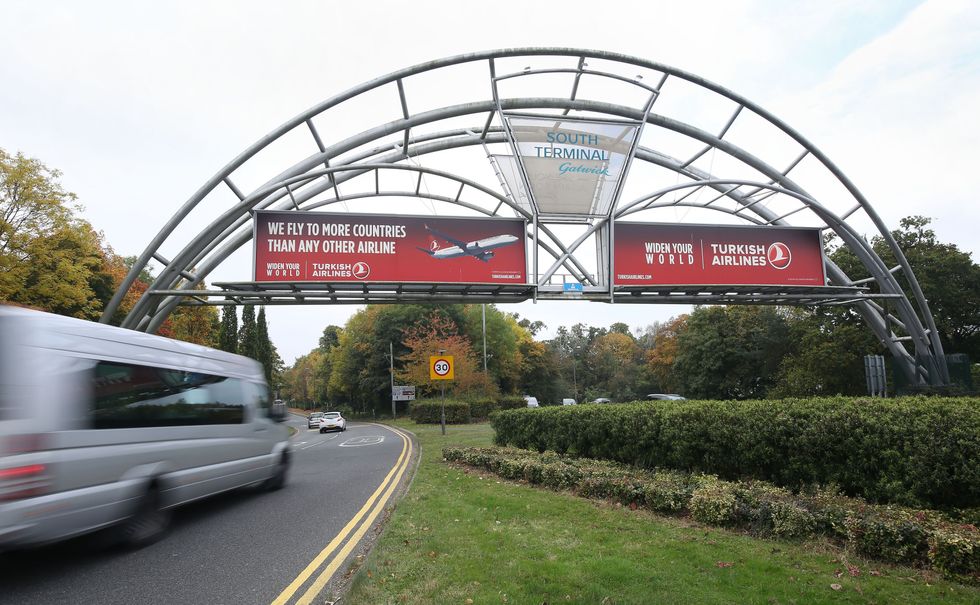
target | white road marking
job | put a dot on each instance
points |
(316, 443)
(362, 441)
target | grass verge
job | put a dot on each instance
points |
(462, 537)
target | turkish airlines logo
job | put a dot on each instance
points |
(361, 270)
(779, 255)
(434, 245)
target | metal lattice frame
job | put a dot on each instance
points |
(753, 191)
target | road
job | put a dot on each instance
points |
(288, 546)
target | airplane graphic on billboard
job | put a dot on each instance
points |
(481, 249)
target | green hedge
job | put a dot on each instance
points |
(426, 411)
(911, 451)
(430, 412)
(886, 533)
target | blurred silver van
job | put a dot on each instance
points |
(102, 427)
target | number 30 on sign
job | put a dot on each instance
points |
(441, 367)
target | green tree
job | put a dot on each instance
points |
(247, 334)
(503, 354)
(62, 272)
(825, 356)
(330, 338)
(616, 361)
(949, 278)
(265, 351)
(301, 385)
(731, 352)
(195, 323)
(228, 332)
(33, 206)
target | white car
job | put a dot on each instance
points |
(332, 421)
(532, 402)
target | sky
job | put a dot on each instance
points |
(138, 103)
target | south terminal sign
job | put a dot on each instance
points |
(322, 247)
(661, 254)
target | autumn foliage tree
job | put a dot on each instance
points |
(440, 336)
(663, 354)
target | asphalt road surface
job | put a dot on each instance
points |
(289, 546)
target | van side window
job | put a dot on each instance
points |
(259, 394)
(130, 396)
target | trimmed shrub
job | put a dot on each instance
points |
(955, 552)
(714, 504)
(886, 533)
(480, 409)
(430, 412)
(890, 534)
(511, 402)
(916, 451)
(792, 521)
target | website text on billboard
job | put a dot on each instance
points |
(674, 254)
(322, 247)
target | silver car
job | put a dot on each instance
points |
(313, 421)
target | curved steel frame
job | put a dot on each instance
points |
(372, 151)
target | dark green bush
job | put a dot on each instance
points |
(511, 402)
(922, 452)
(429, 411)
(480, 409)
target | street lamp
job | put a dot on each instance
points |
(442, 417)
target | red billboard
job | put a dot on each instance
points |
(322, 247)
(661, 254)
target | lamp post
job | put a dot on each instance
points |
(442, 416)
(391, 357)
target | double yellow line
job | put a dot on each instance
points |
(366, 516)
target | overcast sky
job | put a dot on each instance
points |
(139, 103)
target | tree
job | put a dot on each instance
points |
(615, 360)
(228, 332)
(531, 326)
(266, 352)
(301, 385)
(60, 272)
(662, 355)
(503, 354)
(730, 352)
(33, 206)
(330, 338)
(825, 356)
(195, 323)
(949, 279)
(441, 336)
(247, 334)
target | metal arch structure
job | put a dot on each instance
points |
(684, 157)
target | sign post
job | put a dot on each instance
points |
(441, 368)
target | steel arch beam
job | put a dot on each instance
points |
(925, 337)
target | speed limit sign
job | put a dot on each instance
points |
(441, 367)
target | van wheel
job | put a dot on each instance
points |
(278, 478)
(148, 523)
